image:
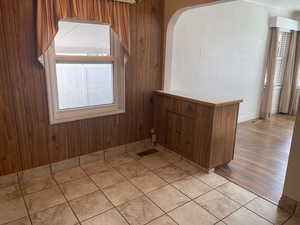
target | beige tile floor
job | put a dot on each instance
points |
(161, 189)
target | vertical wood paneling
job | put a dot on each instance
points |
(27, 140)
(9, 154)
(224, 134)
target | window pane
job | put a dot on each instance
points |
(81, 85)
(82, 39)
(282, 53)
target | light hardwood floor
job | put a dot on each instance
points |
(261, 156)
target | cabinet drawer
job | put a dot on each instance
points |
(185, 108)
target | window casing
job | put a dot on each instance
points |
(60, 108)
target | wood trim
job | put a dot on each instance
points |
(84, 59)
(197, 101)
(117, 107)
(235, 129)
(126, 1)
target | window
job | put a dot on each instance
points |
(85, 72)
(282, 54)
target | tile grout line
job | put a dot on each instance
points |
(74, 167)
(165, 214)
(41, 190)
(143, 194)
(248, 189)
(191, 199)
(23, 197)
(67, 201)
(241, 207)
(216, 189)
(114, 207)
(108, 199)
(245, 206)
(105, 211)
(228, 180)
(170, 184)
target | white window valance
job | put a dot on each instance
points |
(284, 24)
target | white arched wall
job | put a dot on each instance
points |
(170, 37)
(240, 78)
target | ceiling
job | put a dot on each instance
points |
(284, 4)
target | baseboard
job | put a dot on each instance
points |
(47, 170)
(249, 117)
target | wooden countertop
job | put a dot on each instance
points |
(215, 101)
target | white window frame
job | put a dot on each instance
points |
(57, 115)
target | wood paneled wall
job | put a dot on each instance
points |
(26, 138)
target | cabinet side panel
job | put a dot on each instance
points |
(223, 135)
(162, 104)
(202, 136)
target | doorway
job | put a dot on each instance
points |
(226, 56)
(261, 156)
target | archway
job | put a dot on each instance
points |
(169, 30)
(173, 11)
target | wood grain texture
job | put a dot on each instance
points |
(27, 140)
(200, 132)
(262, 151)
(224, 134)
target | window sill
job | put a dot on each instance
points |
(59, 118)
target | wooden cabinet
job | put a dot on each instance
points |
(203, 132)
(179, 137)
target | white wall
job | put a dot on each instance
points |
(221, 50)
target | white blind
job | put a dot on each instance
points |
(282, 54)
